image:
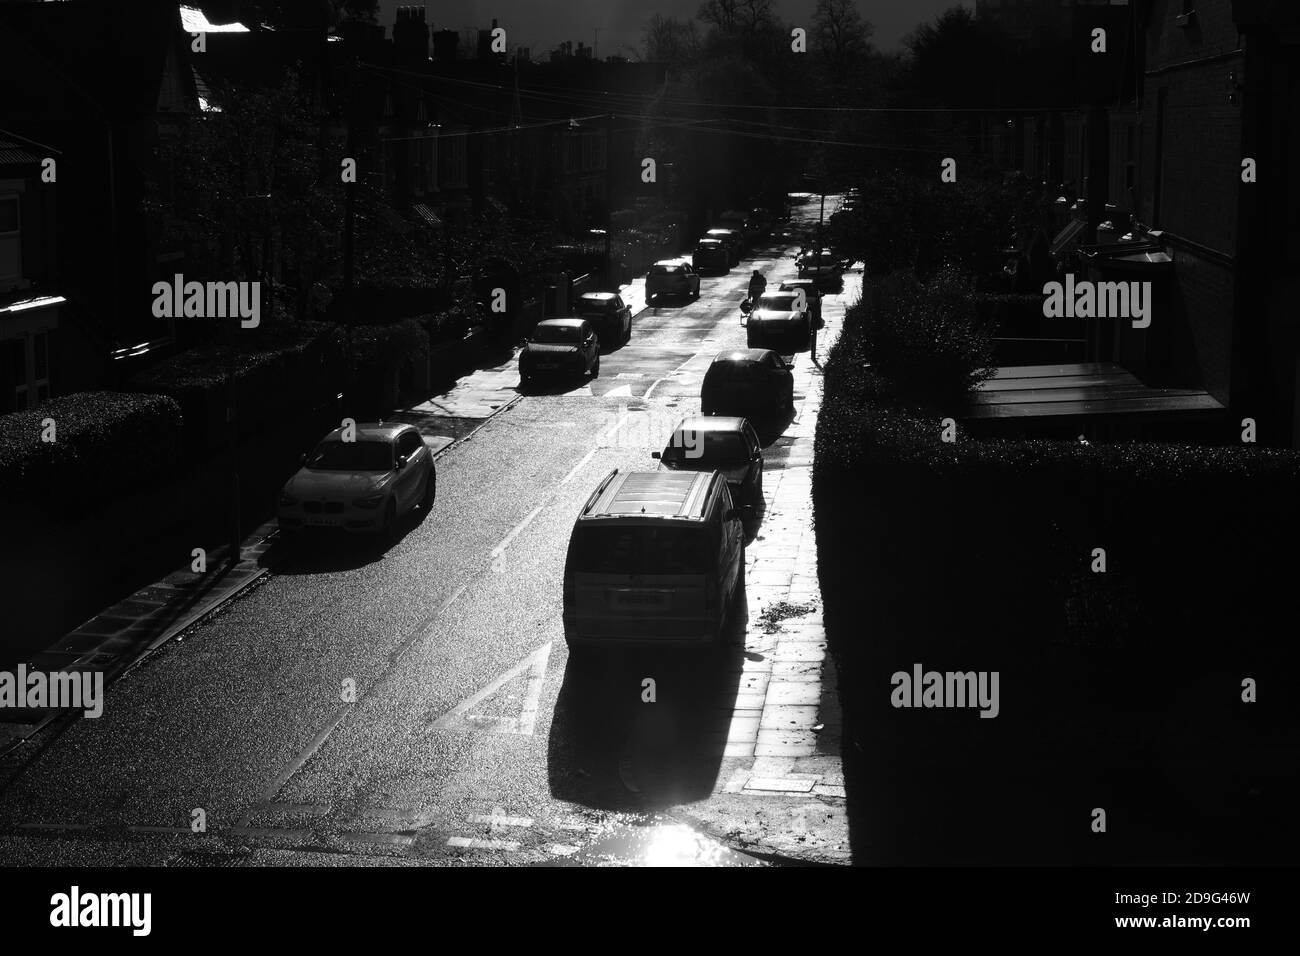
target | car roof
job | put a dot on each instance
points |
(373, 431)
(658, 494)
(565, 323)
(711, 423)
(792, 284)
(710, 241)
(671, 262)
(742, 355)
(719, 229)
(604, 296)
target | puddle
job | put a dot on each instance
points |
(655, 844)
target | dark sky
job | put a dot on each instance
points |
(542, 24)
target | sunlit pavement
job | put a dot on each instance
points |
(417, 705)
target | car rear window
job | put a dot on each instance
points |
(666, 270)
(594, 305)
(732, 371)
(703, 449)
(645, 549)
(557, 334)
(777, 301)
(351, 456)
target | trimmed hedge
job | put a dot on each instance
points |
(105, 443)
(925, 338)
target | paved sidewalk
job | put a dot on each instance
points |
(782, 776)
(121, 634)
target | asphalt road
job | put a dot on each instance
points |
(416, 705)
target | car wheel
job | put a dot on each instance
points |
(757, 500)
(595, 369)
(627, 332)
(290, 538)
(430, 489)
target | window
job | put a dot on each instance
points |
(639, 550)
(409, 444)
(10, 244)
(13, 374)
(352, 456)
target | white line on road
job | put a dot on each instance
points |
(579, 466)
(536, 660)
(473, 843)
(514, 532)
(501, 821)
(651, 390)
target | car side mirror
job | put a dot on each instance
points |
(657, 455)
(401, 462)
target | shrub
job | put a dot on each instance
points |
(924, 338)
(106, 443)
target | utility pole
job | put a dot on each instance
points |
(349, 224)
(609, 208)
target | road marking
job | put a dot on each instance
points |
(514, 532)
(54, 826)
(535, 664)
(579, 466)
(651, 390)
(623, 391)
(264, 832)
(396, 839)
(501, 821)
(474, 843)
(160, 830)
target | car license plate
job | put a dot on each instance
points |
(638, 598)
(322, 521)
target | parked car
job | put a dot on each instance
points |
(824, 267)
(672, 277)
(712, 255)
(747, 382)
(608, 314)
(733, 241)
(741, 222)
(762, 219)
(727, 444)
(780, 322)
(359, 483)
(655, 559)
(812, 295)
(560, 347)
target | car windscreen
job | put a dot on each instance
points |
(557, 335)
(594, 306)
(638, 549)
(351, 456)
(778, 302)
(706, 449)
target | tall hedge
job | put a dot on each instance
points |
(104, 444)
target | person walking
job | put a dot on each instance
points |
(757, 286)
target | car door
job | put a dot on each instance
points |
(410, 478)
(755, 449)
(622, 317)
(590, 344)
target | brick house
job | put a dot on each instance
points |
(1222, 85)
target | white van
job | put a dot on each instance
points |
(655, 558)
